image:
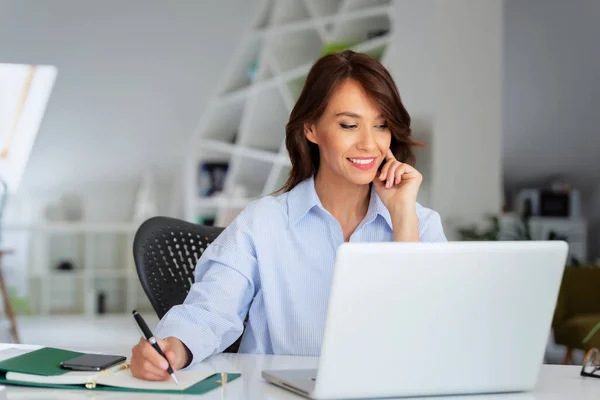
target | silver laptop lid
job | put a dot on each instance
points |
(438, 318)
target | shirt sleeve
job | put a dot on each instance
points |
(213, 313)
(430, 227)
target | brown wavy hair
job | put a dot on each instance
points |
(326, 74)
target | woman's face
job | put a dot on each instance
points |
(352, 135)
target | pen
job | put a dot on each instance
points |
(141, 324)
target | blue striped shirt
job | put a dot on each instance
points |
(274, 262)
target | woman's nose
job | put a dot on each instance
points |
(367, 140)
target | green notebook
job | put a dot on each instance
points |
(41, 368)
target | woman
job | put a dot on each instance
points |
(274, 262)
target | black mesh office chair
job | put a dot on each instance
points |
(165, 251)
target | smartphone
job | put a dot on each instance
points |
(92, 362)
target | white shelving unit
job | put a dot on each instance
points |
(574, 230)
(244, 125)
(102, 258)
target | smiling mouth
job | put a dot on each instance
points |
(362, 163)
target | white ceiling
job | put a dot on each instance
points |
(552, 91)
(133, 77)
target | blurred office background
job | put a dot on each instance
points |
(115, 111)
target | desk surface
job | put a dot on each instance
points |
(555, 383)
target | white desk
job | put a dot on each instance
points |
(556, 383)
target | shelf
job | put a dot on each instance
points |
(245, 124)
(265, 16)
(294, 87)
(213, 164)
(249, 174)
(354, 5)
(264, 125)
(112, 273)
(66, 290)
(375, 47)
(252, 175)
(277, 179)
(231, 99)
(226, 216)
(284, 161)
(70, 274)
(115, 292)
(323, 8)
(80, 273)
(242, 72)
(372, 47)
(315, 23)
(380, 11)
(286, 11)
(282, 177)
(221, 202)
(266, 72)
(224, 118)
(238, 150)
(297, 72)
(86, 273)
(349, 32)
(98, 252)
(291, 50)
(210, 150)
(74, 227)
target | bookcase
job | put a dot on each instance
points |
(98, 273)
(243, 127)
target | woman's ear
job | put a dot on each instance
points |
(309, 132)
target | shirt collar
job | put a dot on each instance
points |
(376, 207)
(304, 197)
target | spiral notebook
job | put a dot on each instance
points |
(41, 368)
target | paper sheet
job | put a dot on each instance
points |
(70, 378)
(126, 380)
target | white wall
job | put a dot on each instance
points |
(133, 78)
(147, 93)
(447, 62)
(552, 98)
(552, 90)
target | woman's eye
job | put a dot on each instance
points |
(346, 126)
(382, 126)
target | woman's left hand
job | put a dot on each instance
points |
(398, 185)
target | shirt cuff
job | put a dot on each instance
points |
(190, 336)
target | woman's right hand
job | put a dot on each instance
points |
(147, 364)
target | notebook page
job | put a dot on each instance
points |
(126, 380)
(70, 378)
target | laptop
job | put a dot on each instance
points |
(426, 319)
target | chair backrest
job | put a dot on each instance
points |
(579, 294)
(165, 251)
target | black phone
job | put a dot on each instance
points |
(92, 362)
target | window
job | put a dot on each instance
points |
(24, 93)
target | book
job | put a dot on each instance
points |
(41, 368)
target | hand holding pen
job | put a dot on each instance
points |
(156, 359)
